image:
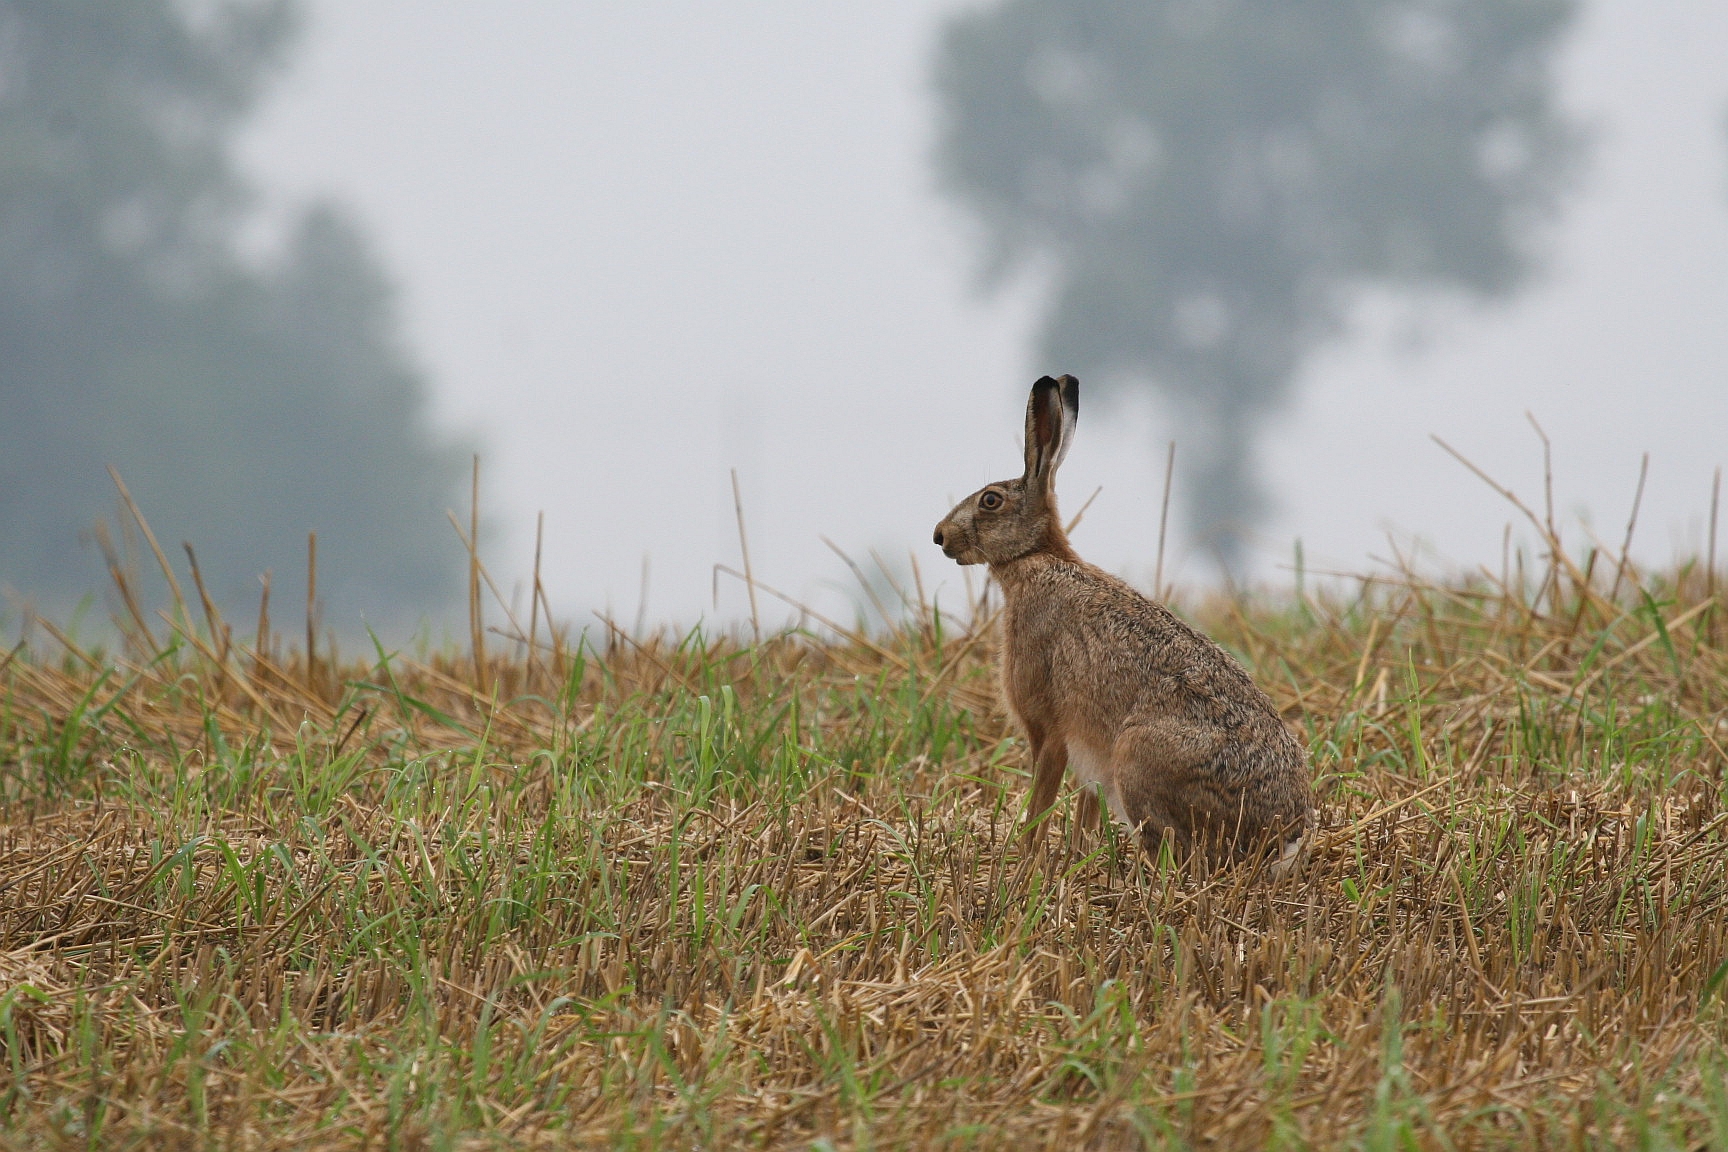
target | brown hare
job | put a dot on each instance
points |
(1161, 721)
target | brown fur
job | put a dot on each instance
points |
(1177, 739)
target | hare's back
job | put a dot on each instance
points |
(1128, 652)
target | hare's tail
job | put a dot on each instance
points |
(1291, 852)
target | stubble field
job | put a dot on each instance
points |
(688, 892)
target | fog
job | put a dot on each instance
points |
(637, 247)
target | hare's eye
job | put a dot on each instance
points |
(990, 501)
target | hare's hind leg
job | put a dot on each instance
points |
(1154, 788)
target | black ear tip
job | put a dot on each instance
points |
(1068, 388)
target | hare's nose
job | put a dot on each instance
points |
(938, 537)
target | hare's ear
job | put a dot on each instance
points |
(1051, 414)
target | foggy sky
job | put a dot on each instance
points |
(637, 246)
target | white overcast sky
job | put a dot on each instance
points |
(640, 244)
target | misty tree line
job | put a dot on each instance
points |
(1209, 181)
(244, 404)
(1206, 184)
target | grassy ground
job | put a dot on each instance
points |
(695, 893)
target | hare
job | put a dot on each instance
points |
(1156, 717)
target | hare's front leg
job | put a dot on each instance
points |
(1049, 762)
(1088, 814)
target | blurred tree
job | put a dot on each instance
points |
(246, 402)
(1208, 181)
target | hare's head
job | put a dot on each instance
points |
(1014, 518)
